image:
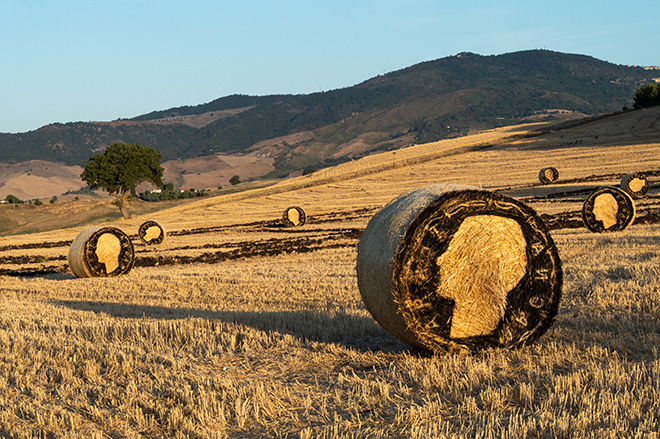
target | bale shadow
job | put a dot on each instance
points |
(359, 333)
(67, 275)
(53, 272)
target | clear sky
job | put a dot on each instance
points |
(97, 60)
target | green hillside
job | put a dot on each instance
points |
(428, 101)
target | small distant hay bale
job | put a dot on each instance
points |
(636, 185)
(548, 175)
(294, 216)
(608, 209)
(450, 267)
(101, 252)
(151, 232)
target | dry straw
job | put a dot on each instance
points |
(151, 232)
(451, 267)
(636, 185)
(294, 216)
(548, 175)
(608, 209)
(100, 252)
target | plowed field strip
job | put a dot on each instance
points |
(589, 178)
(239, 250)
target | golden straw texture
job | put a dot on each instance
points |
(484, 261)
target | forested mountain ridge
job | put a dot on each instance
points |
(425, 102)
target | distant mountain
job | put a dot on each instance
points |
(429, 101)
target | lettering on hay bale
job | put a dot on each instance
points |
(636, 185)
(101, 252)
(450, 267)
(294, 216)
(151, 232)
(608, 209)
(548, 175)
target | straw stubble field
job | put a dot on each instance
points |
(235, 327)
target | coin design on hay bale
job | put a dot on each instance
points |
(636, 185)
(548, 175)
(450, 267)
(101, 252)
(608, 209)
(294, 216)
(151, 232)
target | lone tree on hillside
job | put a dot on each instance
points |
(12, 199)
(120, 168)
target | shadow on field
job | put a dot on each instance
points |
(360, 333)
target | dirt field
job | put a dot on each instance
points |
(237, 327)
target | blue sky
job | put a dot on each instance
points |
(95, 60)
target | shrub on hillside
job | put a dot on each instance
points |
(647, 96)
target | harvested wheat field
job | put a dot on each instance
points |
(238, 327)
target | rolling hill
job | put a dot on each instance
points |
(433, 100)
(609, 145)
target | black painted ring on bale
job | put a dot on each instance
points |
(608, 209)
(101, 252)
(636, 185)
(151, 232)
(450, 267)
(294, 216)
(548, 175)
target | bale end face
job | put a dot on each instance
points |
(636, 185)
(151, 232)
(294, 216)
(446, 267)
(608, 209)
(101, 252)
(548, 175)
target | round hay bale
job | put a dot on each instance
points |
(450, 267)
(294, 216)
(636, 185)
(151, 232)
(548, 175)
(101, 252)
(608, 209)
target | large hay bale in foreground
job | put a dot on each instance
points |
(151, 232)
(636, 185)
(294, 216)
(608, 209)
(100, 252)
(451, 267)
(548, 175)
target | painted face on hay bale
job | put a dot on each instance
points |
(636, 185)
(548, 175)
(608, 209)
(294, 217)
(101, 252)
(472, 269)
(108, 250)
(151, 232)
(485, 259)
